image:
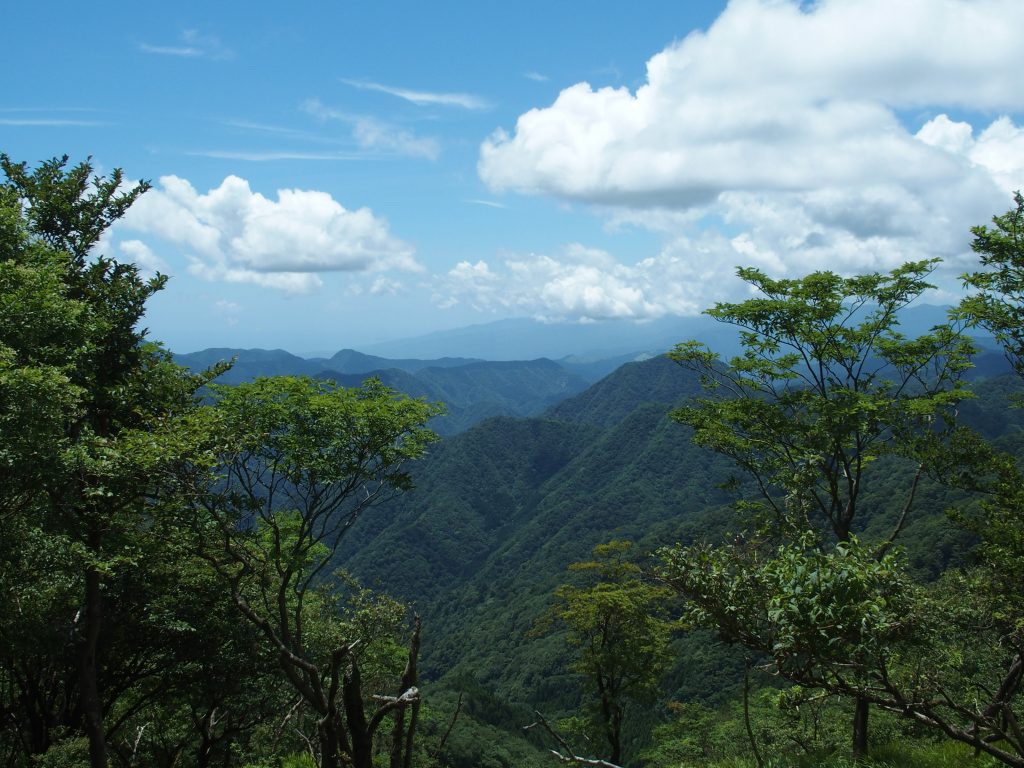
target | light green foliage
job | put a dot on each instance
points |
(784, 723)
(296, 462)
(618, 627)
(900, 754)
(823, 617)
(998, 302)
(825, 386)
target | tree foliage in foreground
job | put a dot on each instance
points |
(138, 525)
(826, 386)
(617, 626)
(86, 414)
(296, 461)
(997, 303)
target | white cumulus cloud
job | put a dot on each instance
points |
(771, 97)
(784, 127)
(233, 234)
(586, 284)
(143, 257)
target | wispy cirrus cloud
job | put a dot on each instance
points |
(423, 98)
(50, 122)
(48, 117)
(280, 130)
(171, 50)
(191, 44)
(374, 134)
(486, 203)
(537, 77)
(259, 156)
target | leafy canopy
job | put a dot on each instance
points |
(826, 385)
(998, 303)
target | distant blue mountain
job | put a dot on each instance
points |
(493, 370)
(624, 340)
(520, 339)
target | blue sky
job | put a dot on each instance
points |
(332, 174)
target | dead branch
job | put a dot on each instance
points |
(567, 756)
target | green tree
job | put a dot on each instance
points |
(296, 462)
(86, 413)
(825, 387)
(997, 303)
(115, 622)
(618, 628)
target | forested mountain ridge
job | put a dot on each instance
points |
(249, 363)
(502, 509)
(471, 390)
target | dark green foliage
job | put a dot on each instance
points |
(605, 404)
(502, 509)
(499, 511)
(127, 507)
(124, 570)
(87, 413)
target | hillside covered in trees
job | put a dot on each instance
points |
(812, 549)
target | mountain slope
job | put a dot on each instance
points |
(500, 510)
(351, 361)
(606, 403)
(471, 390)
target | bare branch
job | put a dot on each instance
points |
(567, 755)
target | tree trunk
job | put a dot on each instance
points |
(361, 740)
(398, 739)
(327, 730)
(88, 674)
(746, 718)
(410, 735)
(860, 729)
(402, 740)
(615, 736)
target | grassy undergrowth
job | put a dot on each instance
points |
(942, 755)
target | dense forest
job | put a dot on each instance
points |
(806, 554)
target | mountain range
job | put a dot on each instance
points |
(542, 460)
(491, 370)
(500, 510)
(471, 390)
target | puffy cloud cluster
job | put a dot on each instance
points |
(689, 273)
(588, 284)
(141, 255)
(784, 128)
(236, 235)
(772, 98)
